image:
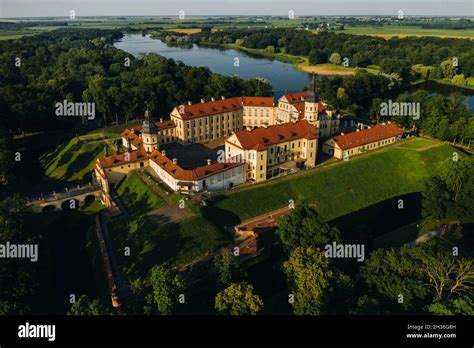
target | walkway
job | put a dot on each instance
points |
(430, 235)
(261, 222)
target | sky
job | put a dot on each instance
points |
(46, 8)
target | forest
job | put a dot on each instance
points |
(396, 55)
(82, 65)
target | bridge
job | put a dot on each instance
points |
(68, 199)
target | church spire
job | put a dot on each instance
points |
(311, 93)
(148, 126)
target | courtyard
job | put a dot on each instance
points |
(194, 155)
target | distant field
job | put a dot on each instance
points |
(327, 69)
(389, 31)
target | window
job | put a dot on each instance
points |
(261, 167)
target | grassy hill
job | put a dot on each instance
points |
(72, 161)
(339, 189)
(136, 195)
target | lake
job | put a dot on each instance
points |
(284, 77)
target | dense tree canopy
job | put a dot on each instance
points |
(309, 276)
(449, 194)
(81, 65)
(302, 228)
(238, 299)
(395, 55)
(167, 285)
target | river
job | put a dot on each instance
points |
(284, 77)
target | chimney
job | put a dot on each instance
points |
(222, 97)
(161, 120)
(213, 99)
(388, 123)
(209, 162)
(163, 152)
(202, 100)
(369, 127)
(189, 102)
(175, 161)
(342, 133)
(358, 130)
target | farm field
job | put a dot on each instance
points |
(402, 31)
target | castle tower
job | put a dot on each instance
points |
(149, 134)
(311, 102)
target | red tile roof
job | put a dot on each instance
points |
(260, 138)
(133, 136)
(159, 126)
(116, 160)
(367, 136)
(209, 108)
(258, 101)
(295, 97)
(177, 172)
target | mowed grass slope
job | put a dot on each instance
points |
(179, 243)
(136, 195)
(339, 189)
(72, 161)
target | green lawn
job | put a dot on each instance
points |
(335, 190)
(72, 161)
(136, 195)
(179, 243)
(418, 143)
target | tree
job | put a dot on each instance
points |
(167, 286)
(6, 157)
(449, 194)
(448, 69)
(308, 275)
(226, 265)
(449, 275)
(84, 306)
(342, 97)
(396, 278)
(317, 56)
(457, 306)
(303, 228)
(335, 58)
(459, 80)
(238, 299)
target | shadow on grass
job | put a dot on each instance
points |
(136, 204)
(218, 217)
(82, 162)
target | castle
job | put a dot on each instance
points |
(261, 136)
